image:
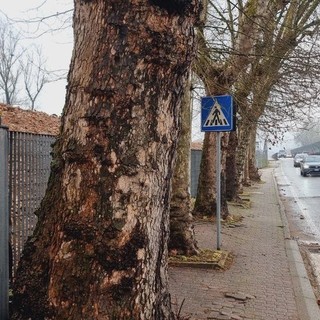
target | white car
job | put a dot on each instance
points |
(298, 158)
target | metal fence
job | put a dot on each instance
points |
(261, 162)
(24, 170)
(29, 169)
(195, 171)
(4, 225)
(261, 158)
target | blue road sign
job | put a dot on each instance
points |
(217, 113)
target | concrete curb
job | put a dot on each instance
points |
(307, 305)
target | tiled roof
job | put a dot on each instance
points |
(18, 119)
(196, 145)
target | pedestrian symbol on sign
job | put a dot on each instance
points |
(216, 116)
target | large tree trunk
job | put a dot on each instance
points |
(253, 170)
(242, 153)
(182, 238)
(205, 204)
(99, 250)
(231, 172)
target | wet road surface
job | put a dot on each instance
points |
(302, 194)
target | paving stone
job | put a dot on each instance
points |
(220, 317)
(237, 296)
(259, 275)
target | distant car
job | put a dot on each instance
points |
(298, 158)
(282, 154)
(310, 164)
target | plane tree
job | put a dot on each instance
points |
(285, 30)
(225, 46)
(182, 237)
(99, 250)
(292, 104)
(23, 72)
(248, 62)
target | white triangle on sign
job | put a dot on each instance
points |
(216, 118)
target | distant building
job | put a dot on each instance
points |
(313, 148)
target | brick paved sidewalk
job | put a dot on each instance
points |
(259, 280)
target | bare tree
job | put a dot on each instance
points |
(44, 18)
(310, 133)
(10, 69)
(284, 30)
(34, 76)
(23, 70)
(248, 49)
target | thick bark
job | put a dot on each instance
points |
(253, 170)
(224, 169)
(245, 156)
(99, 250)
(182, 238)
(244, 132)
(205, 204)
(231, 172)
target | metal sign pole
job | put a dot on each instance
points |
(218, 187)
(218, 115)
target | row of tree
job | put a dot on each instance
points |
(269, 63)
(260, 52)
(99, 250)
(310, 133)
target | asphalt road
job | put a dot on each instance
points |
(302, 196)
(301, 199)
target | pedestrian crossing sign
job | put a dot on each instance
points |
(217, 113)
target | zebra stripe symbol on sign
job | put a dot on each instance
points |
(216, 116)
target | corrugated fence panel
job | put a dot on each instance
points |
(29, 169)
(4, 225)
(195, 171)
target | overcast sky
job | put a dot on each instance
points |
(56, 46)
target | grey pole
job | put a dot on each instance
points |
(4, 225)
(218, 187)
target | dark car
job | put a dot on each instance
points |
(310, 164)
(282, 154)
(298, 158)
